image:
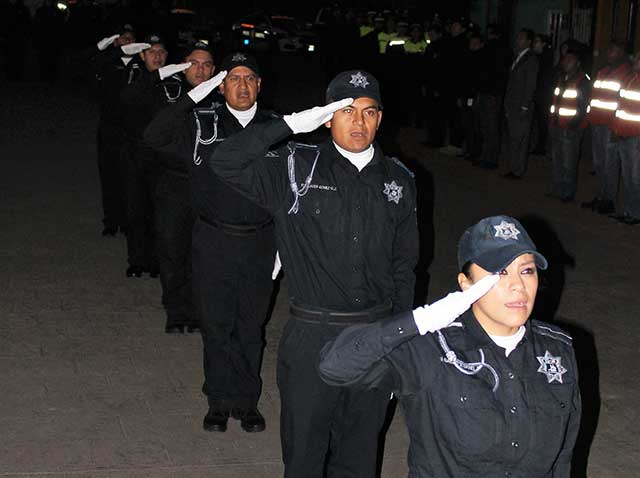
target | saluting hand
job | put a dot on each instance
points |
(168, 70)
(441, 313)
(105, 42)
(133, 48)
(201, 91)
(310, 120)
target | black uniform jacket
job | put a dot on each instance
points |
(175, 130)
(520, 422)
(350, 240)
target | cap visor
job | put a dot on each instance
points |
(498, 260)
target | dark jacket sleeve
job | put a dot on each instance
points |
(137, 100)
(168, 132)
(357, 356)
(562, 467)
(243, 163)
(530, 79)
(405, 256)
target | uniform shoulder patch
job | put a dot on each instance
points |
(402, 165)
(272, 154)
(551, 331)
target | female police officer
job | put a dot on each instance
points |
(492, 394)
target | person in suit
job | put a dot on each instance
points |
(518, 105)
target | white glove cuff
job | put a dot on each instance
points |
(420, 317)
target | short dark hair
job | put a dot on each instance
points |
(466, 269)
(529, 33)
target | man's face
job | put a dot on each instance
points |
(154, 57)
(240, 88)
(201, 68)
(522, 41)
(569, 63)
(475, 44)
(538, 45)
(509, 303)
(354, 127)
(456, 29)
(614, 54)
(125, 39)
(636, 62)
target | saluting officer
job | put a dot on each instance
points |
(142, 98)
(347, 235)
(233, 246)
(490, 394)
(110, 62)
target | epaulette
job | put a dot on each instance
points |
(402, 165)
(542, 328)
(272, 154)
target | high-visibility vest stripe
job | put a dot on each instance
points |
(623, 115)
(632, 95)
(567, 112)
(605, 105)
(569, 93)
(607, 85)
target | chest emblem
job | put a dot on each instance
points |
(552, 367)
(506, 230)
(393, 192)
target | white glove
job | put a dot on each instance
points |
(276, 267)
(133, 48)
(310, 120)
(441, 313)
(105, 42)
(168, 70)
(201, 91)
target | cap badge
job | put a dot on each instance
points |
(506, 230)
(552, 367)
(359, 80)
(238, 57)
(393, 192)
(154, 39)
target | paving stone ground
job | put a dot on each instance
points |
(90, 387)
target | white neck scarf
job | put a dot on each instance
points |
(359, 160)
(510, 342)
(244, 117)
(126, 59)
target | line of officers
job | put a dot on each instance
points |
(610, 106)
(342, 214)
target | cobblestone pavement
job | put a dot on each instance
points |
(91, 387)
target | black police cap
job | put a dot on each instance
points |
(239, 58)
(354, 84)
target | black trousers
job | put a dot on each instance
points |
(174, 220)
(326, 431)
(140, 183)
(111, 170)
(436, 122)
(232, 290)
(489, 118)
(516, 141)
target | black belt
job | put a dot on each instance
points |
(237, 229)
(340, 318)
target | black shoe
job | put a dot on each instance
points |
(593, 204)
(153, 272)
(605, 207)
(216, 421)
(631, 221)
(193, 328)
(251, 420)
(174, 329)
(134, 271)
(110, 231)
(511, 176)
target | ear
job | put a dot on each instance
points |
(141, 55)
(259, 83)
(464, 282)
(328, 124)
(221, 87)
(379, 119)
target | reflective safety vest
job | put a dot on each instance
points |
(627, 120)
(604, 95)
(415, 47)
(565, 101)
(383, 40)
(364, 29)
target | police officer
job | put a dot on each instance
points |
(568, 121)
(173, 214)
(110, 64)
(233, 241)
(347, 235)
(602, 108)
(142, 98)
(489, 394)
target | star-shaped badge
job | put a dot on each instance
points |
(359, 80)
(551, 366)
(506, 230)
(393, 192)
(238, 57)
